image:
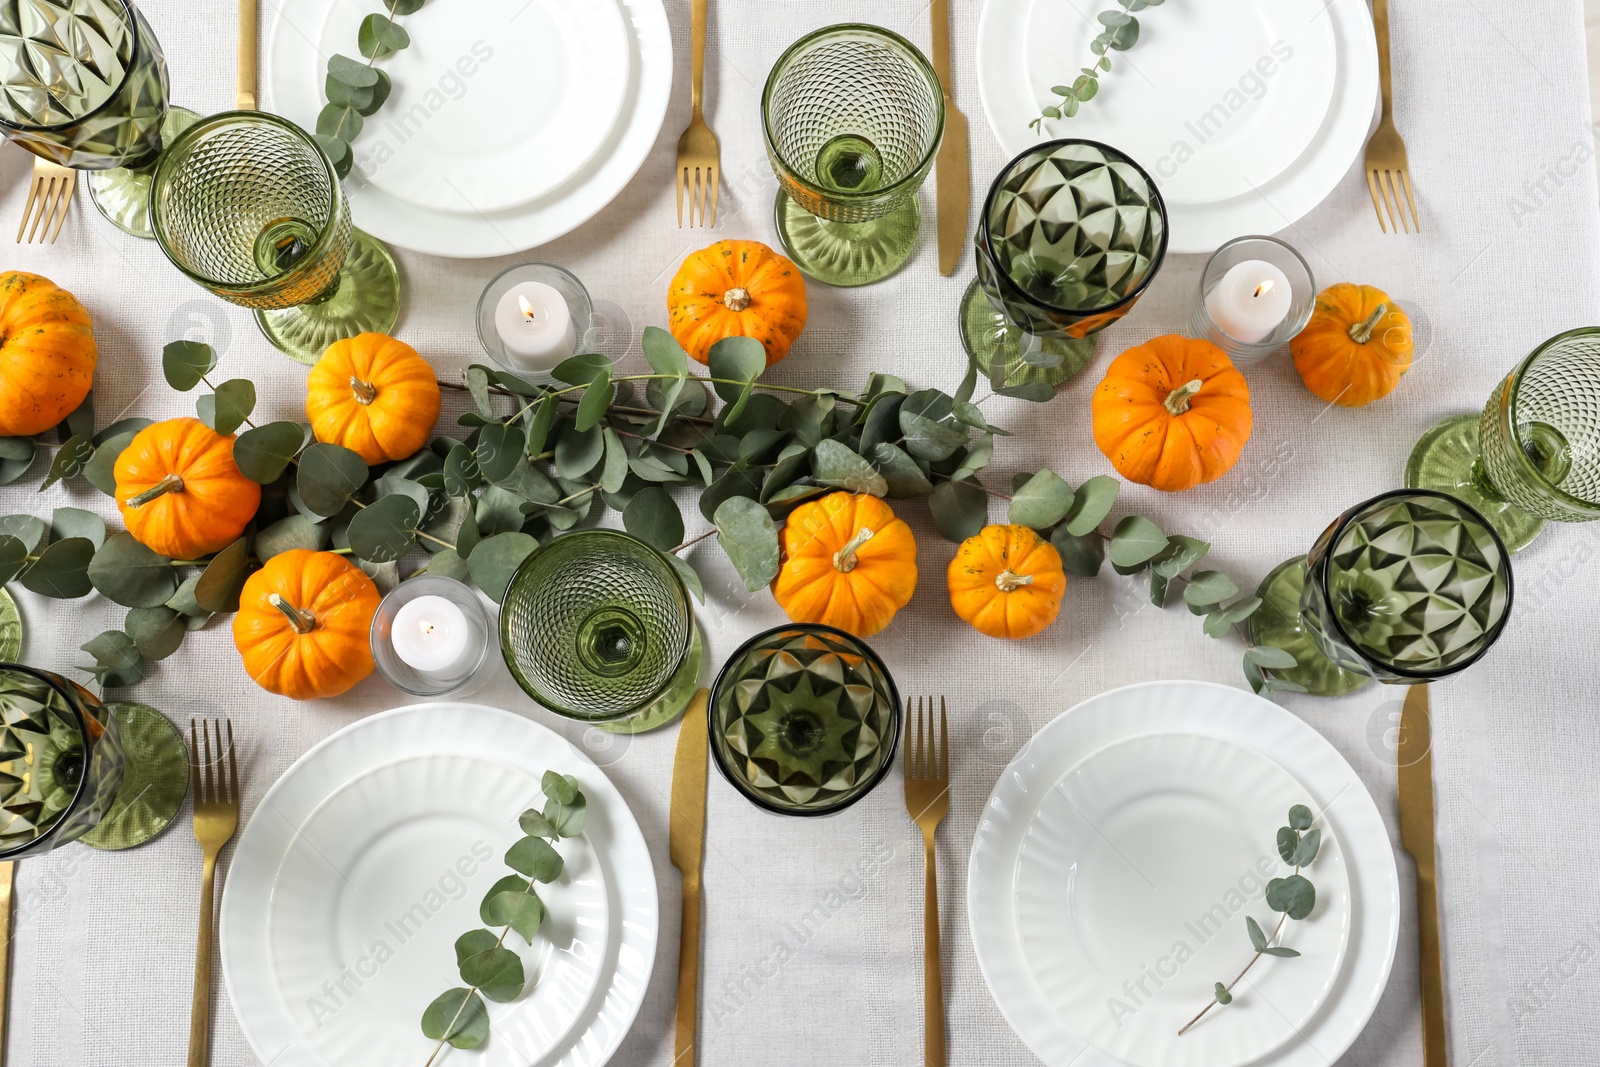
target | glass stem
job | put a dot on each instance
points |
(327, 294)
(1479, 479)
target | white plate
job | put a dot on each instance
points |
(1227, 714)
(1303, 142)
(1135, 879)
(432, 778)
(294, 89)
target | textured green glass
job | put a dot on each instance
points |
(595, 625)
(154, 784)
(852, 115)
(804, 720)
(249, 207)
(11, 630)
(1277, 623)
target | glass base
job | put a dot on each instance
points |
(1011, 357)
(847, 253)
(1443, 459)
(154, 782)
(123, 194)
(367, 301)
(10, 629)
(1277, 623)
(669, 705)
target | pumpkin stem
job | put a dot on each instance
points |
(1008, 582)
(302, 621)
(170, 484)
(1177, 401)
(365, 392)
(1361, 332)
(845, 560)
(736, 299)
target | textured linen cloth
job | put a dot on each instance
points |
(812, 948)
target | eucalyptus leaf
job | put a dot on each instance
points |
(512, 902)
(1300, 817)
(118, 662)
(1041, 502)
(100, 471)
(130, 425)
(579, 451)
(17, 448)
(1217, 625)
(901, 473)
(380, 35)
(1083, 555)
(653, 517)
(156, 632)
(1279, 950)
(352, 72)
(20, 452)
(29, 529)
(499, 451)
(127, 572)
(1135, 541)
(1258, 936)
(459, 1017)
(446, 564)
(183, 601)
(462, 474)
(495, 559)
(750, 538)
(663, 352)
(738, 361)
(1092, 503)
(384, 530)
(927, 421)
(1209, 587)
(476, 378)
(534, 824)
(614, 470)
(582, 368)
(959, 509)
(1220, 992)
(689, 576)
(1269, 657)
(539, 425)
(834, 464)
(535, 858)
(1310, 842)
(329, 476)
(293, 531)
(1241, 610)
(1295, 896)
(264, 453)
(734, 482)
(498, 511)
(185, 363)
(75, 522)
(1287, 842)
(69, 460)
(13, 557)
(224, 577)
(596, 399)
(1181, 553)
(226, 409)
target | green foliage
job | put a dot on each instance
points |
(1119, 32)
(356, 90)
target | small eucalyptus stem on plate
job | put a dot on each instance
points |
(1119, 31)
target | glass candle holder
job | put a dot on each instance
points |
(429, 635)
(1256, 295)
(532, 316)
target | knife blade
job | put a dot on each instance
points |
(1415, 757)
(686, 838)
(952, 182)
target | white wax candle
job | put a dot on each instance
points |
(1250, 300)
(536, 326)
(433, 636)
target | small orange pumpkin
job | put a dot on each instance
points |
(1356, 346)
(374, 395)
(180, 492)
(1172, 413)
(303, 623)
(47, 354)
(848, 562)
(1007, 581)
(737, 289)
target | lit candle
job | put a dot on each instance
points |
(433, 636)
(1250, 300)
(536, 326)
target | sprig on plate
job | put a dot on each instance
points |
(356, 90)
(1119, 32)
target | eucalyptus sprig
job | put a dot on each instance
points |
(1119, 32)
(1293, 897)
(458, 1017)
(356, 90)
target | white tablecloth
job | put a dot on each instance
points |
(812, 947)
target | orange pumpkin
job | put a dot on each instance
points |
(737, 289)
(374, 395)
(848, 562)
(1172, 413)
(180, 492)
(47, 354)
(303, 624)
(1356, 346)
(1007, 581)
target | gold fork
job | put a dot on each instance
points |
(1387, 172)
(216, 817)
(927, 802)
(48, 199)
(699, 153)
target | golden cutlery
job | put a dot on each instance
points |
(8, 871)
(927, 802)
(245, 100)
(216, 817)
(1415, 758)
(1387, 172)
(953, 187)
(49, 197)
(699, 153)
(686, 839)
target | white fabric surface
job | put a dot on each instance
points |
(812, 952)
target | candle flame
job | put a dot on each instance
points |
(1264, 287)
(527, 308)
(425, 626)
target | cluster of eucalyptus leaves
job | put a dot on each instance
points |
(356, 90)
(1293, 898)
(1119, 32)
(458, 1016)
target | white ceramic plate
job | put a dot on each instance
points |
(1278, 145)
(1227, 714)
(294, 83)
(368, 858)
(1135, 878)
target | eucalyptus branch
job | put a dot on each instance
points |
(1119, 31)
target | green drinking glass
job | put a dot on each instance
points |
(1533, 456)
(852, 116)
(804, 720)
(249, 207)
(596, 626)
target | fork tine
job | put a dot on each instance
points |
(194, 760)
(233, 768)
(1405, 180)
(69, 184)
(55, 203)
(944, 742)
(716, 189)
(680, 197)
(1394, 195)
(207, 769)
(43, 208)
(1396, 216)
(1377, 200)
(27, 209)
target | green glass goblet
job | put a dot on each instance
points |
(1534, 454)
(1069, 237)
(804, 720)
(596, 626)
(852, 115)
(249, 207)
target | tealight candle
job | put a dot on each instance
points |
(1250, 301)
(535, 325)
(433, 637)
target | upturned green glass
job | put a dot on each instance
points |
(852, 116)
(1534, 454)
(248, 206)
(804, 720)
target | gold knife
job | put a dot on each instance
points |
(686, 839)
(950, 167)
(1416, 837)
(8, 870)
(245, 99)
